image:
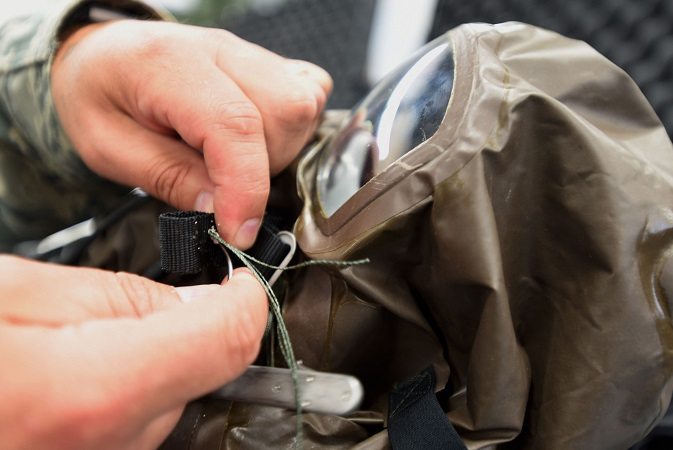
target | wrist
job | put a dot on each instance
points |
(69, 39)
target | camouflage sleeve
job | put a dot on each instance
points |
(44, 186)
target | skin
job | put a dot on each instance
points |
(200, 119)
(108, 361)
(196, 117)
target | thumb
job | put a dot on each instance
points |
(164, 359)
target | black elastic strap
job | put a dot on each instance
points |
(416, 421)
(186, 246)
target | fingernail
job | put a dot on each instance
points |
(247, 233)
(190, 293)
(204, 202)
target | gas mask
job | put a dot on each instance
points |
(513, 191)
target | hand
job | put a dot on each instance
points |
(196, 117)
(96, 360)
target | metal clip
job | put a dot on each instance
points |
(285, 237)
(290, 240)
(321, 392)
(230, 265)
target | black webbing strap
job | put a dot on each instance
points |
(187, 248)
(185, 244)
(416, 421)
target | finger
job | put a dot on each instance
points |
(64, 408)
(290, 101)
(165, 167)
(230, 51)
(231, 178)
(210, 113)
(53, 295)
(166, 358)
(81, 294)
(223, 122)
(314, 72)
(290, 114)
(132, 370)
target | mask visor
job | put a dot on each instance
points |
(404, 110)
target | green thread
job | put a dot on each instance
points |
(313, 262)
(284, 341)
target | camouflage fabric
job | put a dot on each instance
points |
(44, 186)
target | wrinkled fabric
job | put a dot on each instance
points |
(524, 251)
(44, 186)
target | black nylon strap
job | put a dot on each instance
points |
(187, 248)
(416, 421)
(185, 244)
(268, 248)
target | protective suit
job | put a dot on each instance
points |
(519, 225)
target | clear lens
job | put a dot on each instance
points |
(404, 110)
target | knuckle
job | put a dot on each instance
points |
(136, 292)
(298, 110)
(240, 118)
(166, 179)
(126, 294)
(248, 182)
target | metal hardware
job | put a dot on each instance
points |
(321, 392)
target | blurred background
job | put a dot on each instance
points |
(358, 41)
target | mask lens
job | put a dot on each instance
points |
(404, 110)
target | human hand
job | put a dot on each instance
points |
(97, 360)
(196, 117)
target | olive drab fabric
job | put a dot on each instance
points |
(41, 176)
(523, 251)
